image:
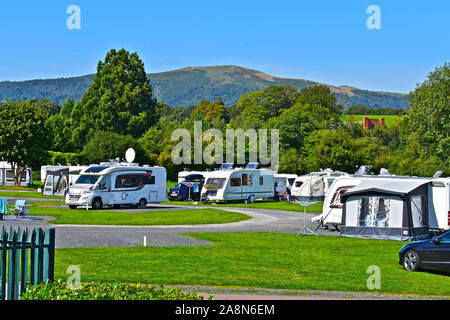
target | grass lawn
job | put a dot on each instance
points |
(24, 195)
(97, 217)
(389, 119)
(258, 260)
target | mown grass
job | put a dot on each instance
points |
(140, 218)
(270, 205)
(389, 119)
(257, 260)
(25, 195)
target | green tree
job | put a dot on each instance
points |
(119, 99)
(106, 145)
(24, 135)
(430, 114)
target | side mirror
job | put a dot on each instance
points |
(436, 240)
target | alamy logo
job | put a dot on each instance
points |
(74, 20)
(235, 152)
(374, 20)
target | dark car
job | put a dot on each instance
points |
(427, 254)
(189, 189)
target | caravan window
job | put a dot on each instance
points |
(298, 184)
(149, 179)
(217, 182)
(128, 181)
(261, 181)
(374, 212)
(235, 182)
(336, 201)
(417, 211)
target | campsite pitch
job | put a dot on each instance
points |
(257, 260)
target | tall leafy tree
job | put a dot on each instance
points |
(24, 135)
(119, 99)
(430, 113)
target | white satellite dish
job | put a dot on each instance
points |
(130, 155)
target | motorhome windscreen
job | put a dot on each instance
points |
(87, 180)
(217, 182)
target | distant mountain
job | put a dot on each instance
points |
(187, 86)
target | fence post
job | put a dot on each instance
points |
(12, 265)
(3, 239)
(24, 262)
(33, 262)
(49, 255)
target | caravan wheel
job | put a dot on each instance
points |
(142, 202)
(411, 260)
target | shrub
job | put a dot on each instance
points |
(104, 291)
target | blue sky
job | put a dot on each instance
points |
(326, 41)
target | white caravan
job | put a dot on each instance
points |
(315, 183)
(439, 208)
(438, 199)
(6, 176)
(239, 185)
(283, 180)
(118, 184)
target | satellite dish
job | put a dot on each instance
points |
(130, 155)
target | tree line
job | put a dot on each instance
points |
(118, 111)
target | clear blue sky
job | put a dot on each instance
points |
(326, 41)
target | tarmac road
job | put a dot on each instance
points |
(76, 236)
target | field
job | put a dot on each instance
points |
(388, 119)
(143, 218)
(257, 260)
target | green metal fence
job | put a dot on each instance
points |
(25, 257)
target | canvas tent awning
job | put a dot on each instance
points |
(395, 188)
(386, 209)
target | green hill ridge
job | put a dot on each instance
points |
(187, 86)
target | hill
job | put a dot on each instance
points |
(187, 86)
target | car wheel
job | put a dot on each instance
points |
(411, 260)
(72, 206)
(97, 204)
(142, 202)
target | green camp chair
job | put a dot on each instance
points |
(20, 208)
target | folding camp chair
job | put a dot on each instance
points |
(3, 208)
(20, 208)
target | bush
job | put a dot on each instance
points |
(104, 291)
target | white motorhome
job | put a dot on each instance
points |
(239, 185)
(6, 176)
(118, 184)
(315, 183)
(438, 199)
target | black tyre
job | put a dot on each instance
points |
(142, 202)
(72, 206)
(97, 204)
(411, 260)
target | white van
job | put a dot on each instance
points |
(239, 185)
(116, 185)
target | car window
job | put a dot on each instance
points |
(445, 237)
